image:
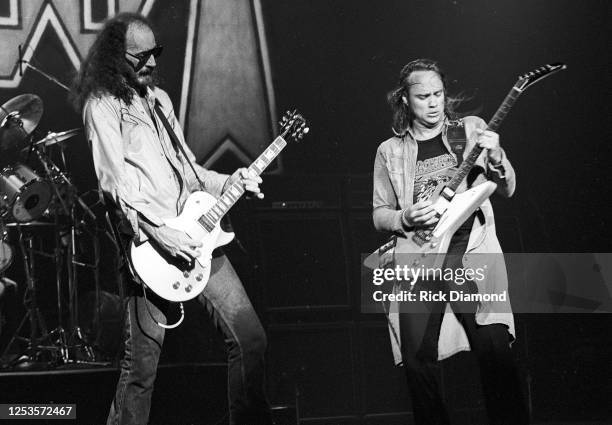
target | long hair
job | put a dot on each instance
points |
(402, 114)
(105, 70)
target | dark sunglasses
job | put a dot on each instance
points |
(143, 57)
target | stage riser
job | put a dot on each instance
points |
(183, 395)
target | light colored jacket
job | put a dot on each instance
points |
(394, 175)
(135, 161)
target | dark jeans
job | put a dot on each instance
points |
(228, 305)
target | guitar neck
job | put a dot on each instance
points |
(236, 190)
(493, 125)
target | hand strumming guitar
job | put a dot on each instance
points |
(419, 215)
(175, 242)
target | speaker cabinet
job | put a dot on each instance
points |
(303, 259)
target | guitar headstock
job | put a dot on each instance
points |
(530, 78)
(293, 126)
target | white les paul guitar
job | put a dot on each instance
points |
(177, 280)
(427, 247)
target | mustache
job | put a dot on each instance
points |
(146, 72)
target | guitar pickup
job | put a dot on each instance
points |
(388, 246)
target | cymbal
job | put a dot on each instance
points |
(53, 138)
(18, 119)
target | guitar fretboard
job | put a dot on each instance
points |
(235, 191)
(493, 125)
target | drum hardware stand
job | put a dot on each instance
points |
(57, 336)
(38, 328)
(51, 170)
(96, 324)
(75, 338)
(78, 339)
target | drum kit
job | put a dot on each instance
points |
(35, 194)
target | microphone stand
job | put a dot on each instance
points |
(21, 60)
(41, 72)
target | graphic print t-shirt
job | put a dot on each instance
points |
(434, 166)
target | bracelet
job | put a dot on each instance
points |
(404, 221)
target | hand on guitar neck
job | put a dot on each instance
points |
(249, 179)
(489, 140)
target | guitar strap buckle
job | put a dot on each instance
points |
(457, 139)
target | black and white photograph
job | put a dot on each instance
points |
(305, 212)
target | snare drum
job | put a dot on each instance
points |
(23, 195)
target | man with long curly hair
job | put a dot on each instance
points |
(148, 179)
(407, 169)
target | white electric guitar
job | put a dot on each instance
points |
(177, 280)
(427, 247)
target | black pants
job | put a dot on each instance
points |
(500, 382)
(419, 332)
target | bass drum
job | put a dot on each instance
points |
(24, 196)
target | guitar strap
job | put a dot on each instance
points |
(178, 147)
(455, 134)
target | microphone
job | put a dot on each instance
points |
(20, 60)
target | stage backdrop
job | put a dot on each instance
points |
(335, 61)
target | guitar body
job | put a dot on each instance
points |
(173, 278)
(412, 252)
